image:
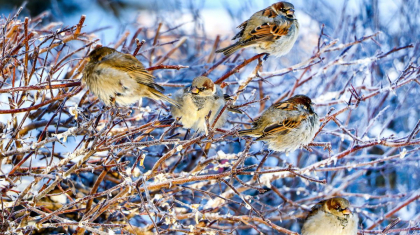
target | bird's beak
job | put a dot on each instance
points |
(347, 211)
(290, 12)
(195, 90)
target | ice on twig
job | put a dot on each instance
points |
(403, 153)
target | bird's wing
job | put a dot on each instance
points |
(286, 125)
(267, 14)
(269, 32)
(130, 65)
(227, 97)
(281, 128)
(242, 27)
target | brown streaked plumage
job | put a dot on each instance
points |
(272, 30)
(286, 125)
(332, 216)
(116, 77)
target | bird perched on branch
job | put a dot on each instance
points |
(286, 125)
(196, 102)
(116, 77)
(331, 217)
(273, 30)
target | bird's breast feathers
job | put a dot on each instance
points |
(323, 223)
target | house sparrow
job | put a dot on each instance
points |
(196, 101)
(273, 30)
(331, 217)
(286, 125)
(120, 78)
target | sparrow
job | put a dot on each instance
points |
(196, 101)
(116, 77)
(331, 217)
(273, 30)
(286, 125)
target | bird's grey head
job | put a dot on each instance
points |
(285, 9)
(202, 86)
(99, 53)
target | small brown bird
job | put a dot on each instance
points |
(116, 77)
(196, 101)
(331, 217)
(286, 125)
(273, 30)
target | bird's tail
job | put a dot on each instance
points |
(227, 51)
(231, 108)
(234, 110)
(248, 132)
(161, 96)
